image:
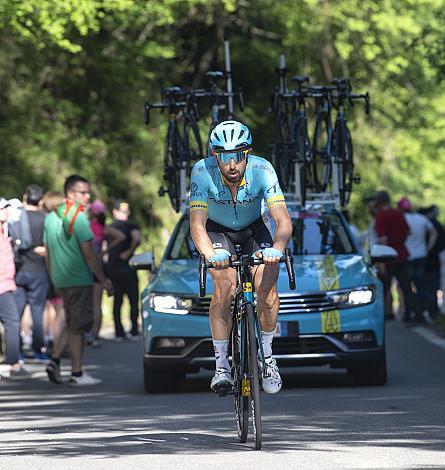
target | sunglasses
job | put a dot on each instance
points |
(225, 156)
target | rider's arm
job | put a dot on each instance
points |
(198, 219)
(280, 215)
(198, 210)
(277, 207)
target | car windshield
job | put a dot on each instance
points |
(314, 233)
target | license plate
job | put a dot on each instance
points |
(287, 328)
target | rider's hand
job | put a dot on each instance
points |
(220, 260)
(271, 256)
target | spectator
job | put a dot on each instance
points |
(434, 259)
(101, 232)
(382, 272)
(392, 230)
(32, 277)
(9, 315)
(72, 263)
(124, 278)
(421, 230)
(54, 312)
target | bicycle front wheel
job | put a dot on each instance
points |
(254, 375)
(239, 366)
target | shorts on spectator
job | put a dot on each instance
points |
(78, 305)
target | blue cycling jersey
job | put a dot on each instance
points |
(209, 191)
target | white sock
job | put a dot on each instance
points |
(267, 343)
(220, 347)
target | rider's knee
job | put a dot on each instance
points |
(268, 298)
(223, 288)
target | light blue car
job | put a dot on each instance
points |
(335, 316)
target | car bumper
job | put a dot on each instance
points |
(311, 346)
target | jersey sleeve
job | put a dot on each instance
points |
(199, 195)
(272, 190)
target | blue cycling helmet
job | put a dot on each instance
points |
(230, 135)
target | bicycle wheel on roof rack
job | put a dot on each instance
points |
(302, 157)
(284, 149)
(192, 141)
(345, 162)
(172, 150)
(322, 152)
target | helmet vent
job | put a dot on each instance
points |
(241, 134)
(215, 135)
(225, 136)
(231, 135)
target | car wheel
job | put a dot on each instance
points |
(159, 381)
(370, 373)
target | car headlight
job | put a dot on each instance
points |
(167, 303)
(352, 297)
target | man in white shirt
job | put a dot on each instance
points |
(419, 243)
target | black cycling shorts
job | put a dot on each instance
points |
(252, 238)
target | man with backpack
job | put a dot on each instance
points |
(32, 276)
(72, 264)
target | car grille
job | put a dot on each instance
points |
(282, 346)
(289, 303)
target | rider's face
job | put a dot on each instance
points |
(233, 172)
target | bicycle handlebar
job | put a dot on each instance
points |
(287, 258)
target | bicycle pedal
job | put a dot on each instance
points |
(223, 390)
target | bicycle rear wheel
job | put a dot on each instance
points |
(254, 376)
(239, 361)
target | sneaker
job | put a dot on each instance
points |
(222, 381)
(96, 343)
(133, 337)
(271, 377)
(84, 380)
(18, 372)
(119, 339)
(53, 371)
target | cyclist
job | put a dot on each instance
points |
(226, 209)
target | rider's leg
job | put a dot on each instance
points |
(268, 303)
(220, 317)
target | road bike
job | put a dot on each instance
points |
(343, 161)
(183, 144)
(291, 155)
(248, 361)
(221, 101)
(322, 137)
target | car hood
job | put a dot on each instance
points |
(312, 273)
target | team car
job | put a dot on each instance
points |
(334, 317)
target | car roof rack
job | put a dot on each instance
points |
(314, 201)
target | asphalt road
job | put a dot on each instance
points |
(318, 421)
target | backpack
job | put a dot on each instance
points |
(20, 233)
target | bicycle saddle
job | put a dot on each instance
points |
(215, 74)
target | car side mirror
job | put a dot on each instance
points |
(382, 254)
(143, 261)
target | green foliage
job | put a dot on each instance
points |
(74, 76)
